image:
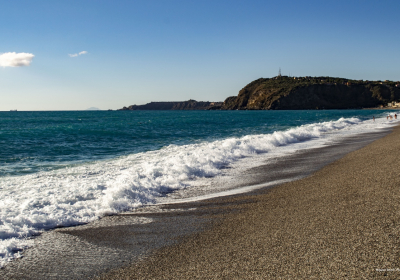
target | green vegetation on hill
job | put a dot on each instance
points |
(284, 92)
(295, 93)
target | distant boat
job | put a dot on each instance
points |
(13, 110)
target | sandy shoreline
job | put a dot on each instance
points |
(341, 222)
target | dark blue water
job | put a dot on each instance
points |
(38, 141)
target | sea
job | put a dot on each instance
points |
(68, 168)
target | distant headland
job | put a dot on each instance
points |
(296, 93)
(176, 105)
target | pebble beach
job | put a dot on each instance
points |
(342, 222)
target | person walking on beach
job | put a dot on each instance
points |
(373, 117)
(395, 116)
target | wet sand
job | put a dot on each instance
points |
(340, 222)
(343, 221)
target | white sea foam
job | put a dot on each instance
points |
(79, 194)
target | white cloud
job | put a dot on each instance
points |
(76, 54)
(13, 59)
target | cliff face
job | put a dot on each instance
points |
(285, 93)
(184, 105)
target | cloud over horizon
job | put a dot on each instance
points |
(13, 59)
(77, 54)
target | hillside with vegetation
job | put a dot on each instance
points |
(295, 93)
(288, 93)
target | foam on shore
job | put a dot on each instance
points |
(341, 222)
(83, 193)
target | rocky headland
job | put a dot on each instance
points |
(299, 93)
(296, 93)
(178, 105)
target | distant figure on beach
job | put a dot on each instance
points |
(387, 117)
(395, 116)
(373, 117)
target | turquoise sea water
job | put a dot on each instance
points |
(37, 141)
(68, 168)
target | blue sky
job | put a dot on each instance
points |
(154, 50)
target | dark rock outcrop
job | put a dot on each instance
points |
(291, 93)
